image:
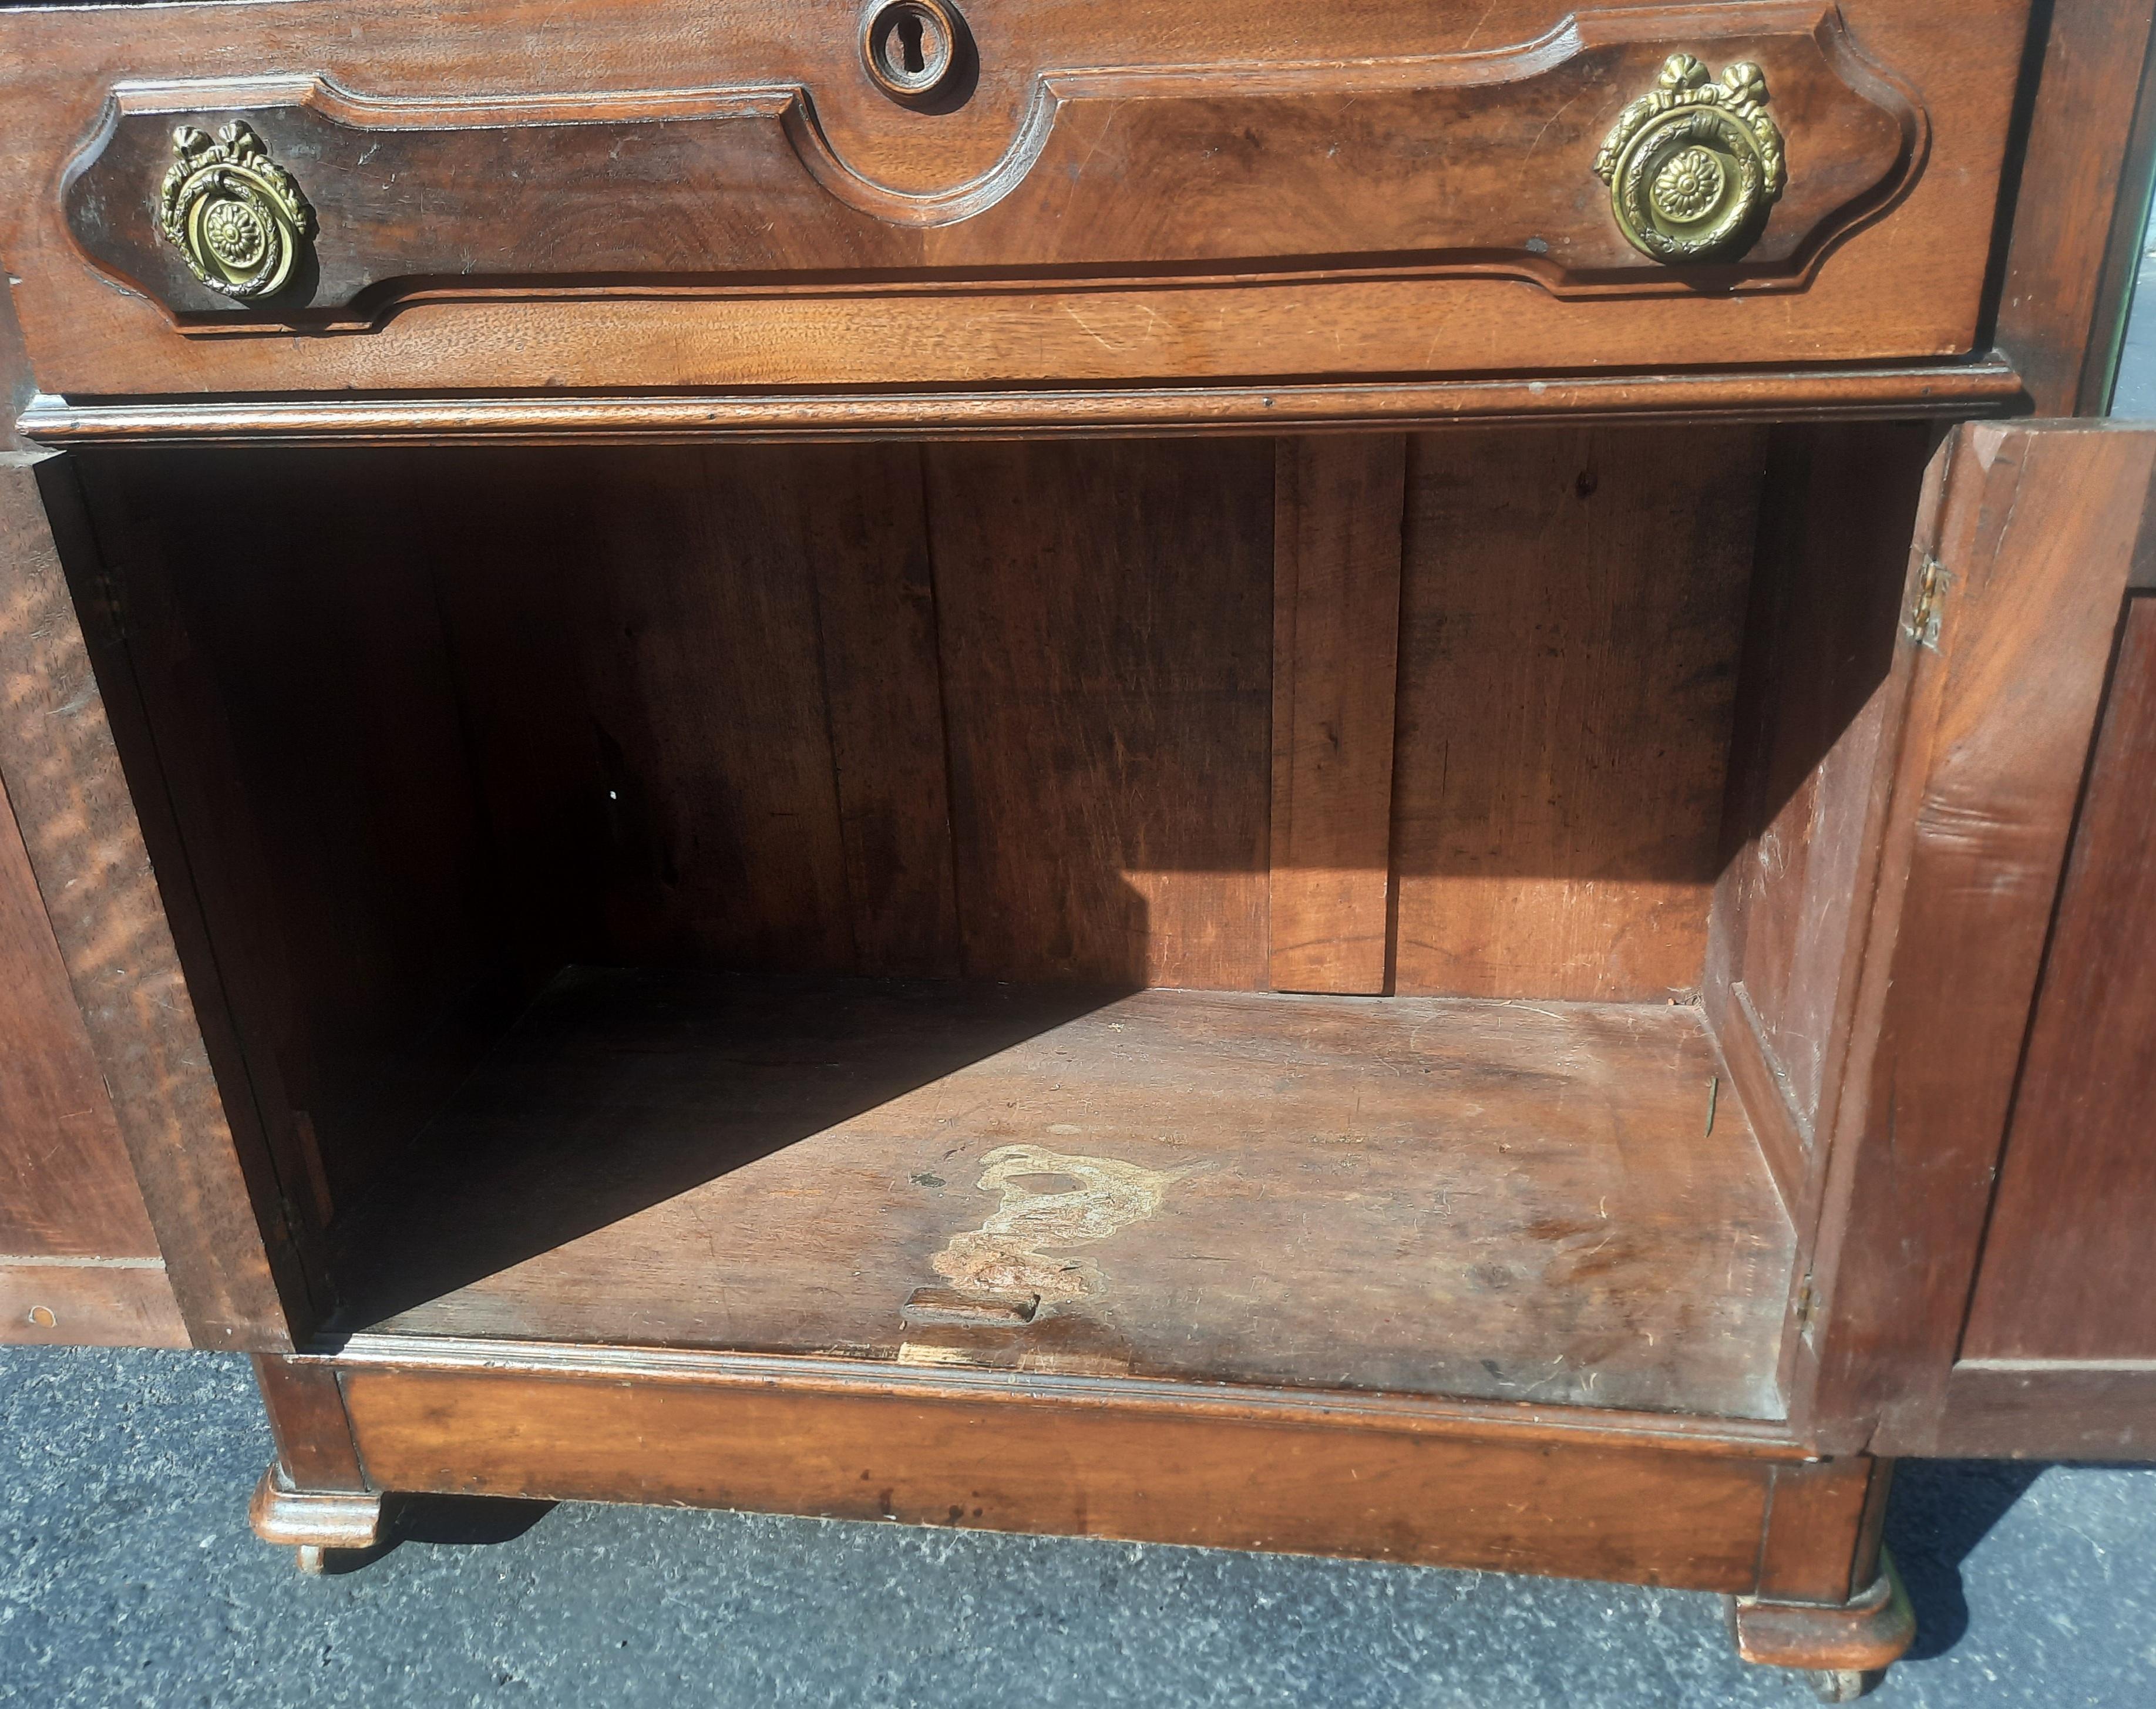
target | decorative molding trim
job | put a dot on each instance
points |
(1978, 389)
(505, 209)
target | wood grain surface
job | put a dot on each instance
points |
(208, 1186)
(1114, 1468)
(1337, 526)
(1571, 608)
(1105, 616)
(1906, 281)
(2063, 1275)
(89, 1302)
(1960, 390)
(1488, 1199)
(67, 1186)
(1157, 171)
(2034, 531)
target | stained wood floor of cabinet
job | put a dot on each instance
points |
(1544, 1202)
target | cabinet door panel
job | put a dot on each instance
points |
(2020, 588)
(2064, 1273)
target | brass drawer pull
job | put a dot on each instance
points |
(235, 214)
(1693, 167)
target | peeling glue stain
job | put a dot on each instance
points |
(1015, 1250)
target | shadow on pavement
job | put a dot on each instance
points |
(1942, 1510)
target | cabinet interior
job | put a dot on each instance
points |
(827, 899)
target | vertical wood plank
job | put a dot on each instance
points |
(1105, 609)
(706, 683)
(1572, 608)
(865, 532)
(1336, 504)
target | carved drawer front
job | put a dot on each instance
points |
(1665, 159)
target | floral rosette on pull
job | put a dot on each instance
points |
(235, 214)
(1694, 166)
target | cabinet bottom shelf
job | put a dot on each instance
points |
(1555, 1204)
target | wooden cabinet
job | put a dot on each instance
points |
(1317, 782)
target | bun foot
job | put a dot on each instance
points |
(1841, 1647)
(320, 1525)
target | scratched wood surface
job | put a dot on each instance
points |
(1456, 1197)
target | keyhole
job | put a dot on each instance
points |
(907, 36)
(911, 47)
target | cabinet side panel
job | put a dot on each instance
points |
(1571, 611)
(298, 694)
(1817, 699)
(2066, 1272)
(2076, 202)
(66, 1186)
(202, 1181)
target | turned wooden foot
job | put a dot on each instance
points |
(1841, 1646)
(318, 1524)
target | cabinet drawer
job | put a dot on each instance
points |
(467, 196)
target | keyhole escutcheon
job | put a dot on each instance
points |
(911, 48)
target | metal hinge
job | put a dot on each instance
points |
(1922, 625)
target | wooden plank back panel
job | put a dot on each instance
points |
(700, 674)
(1336, 624)
(1105, 614)
(701, 687)
(2036, 528)
(2066, 1272)
(1571, 607)
(701, 690)
(867, 540)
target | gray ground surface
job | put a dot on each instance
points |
(128, 1577)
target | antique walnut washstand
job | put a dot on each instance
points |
(1333, 778)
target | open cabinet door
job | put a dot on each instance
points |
(131, 1210)
(1981, 1280)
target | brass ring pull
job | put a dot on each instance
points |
(235, 214)
(1693, 167)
